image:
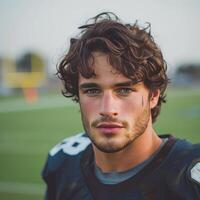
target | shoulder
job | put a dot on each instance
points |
(185, 158)
(184, 152)
(67, 152)
(180, 152)
(183, 174)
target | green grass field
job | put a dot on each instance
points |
(28, 131)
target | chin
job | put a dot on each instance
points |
(111, 146)
(108, 149)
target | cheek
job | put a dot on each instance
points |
(88, 107)
(131, 108)
(130, 105)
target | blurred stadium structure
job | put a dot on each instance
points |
(187, 74)
(27, 75)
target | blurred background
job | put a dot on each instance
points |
(34, 116)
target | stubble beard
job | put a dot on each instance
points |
(141, 123)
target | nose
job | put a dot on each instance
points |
(108, 105)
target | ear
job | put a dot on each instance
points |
(154, 98)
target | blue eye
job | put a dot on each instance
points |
(92, 92)
(124, 91)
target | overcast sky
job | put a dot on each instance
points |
(47, 25)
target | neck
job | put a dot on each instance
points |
(138, 151)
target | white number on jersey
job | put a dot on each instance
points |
(72, 145)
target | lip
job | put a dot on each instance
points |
(109, 125)
(109, 128)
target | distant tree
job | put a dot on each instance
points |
(191, 70)
(29, 62)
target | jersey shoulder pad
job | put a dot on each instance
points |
(185, 152)
(68, 149)
(194, 172)
(183, 174)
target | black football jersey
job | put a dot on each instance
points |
(174, 173)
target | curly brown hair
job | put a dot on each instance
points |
(131, 50)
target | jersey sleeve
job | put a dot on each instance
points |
(67, 152)
(49, 179)
(193, 176)
(49, 174)
(184, 174)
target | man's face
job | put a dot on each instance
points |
(114, 111)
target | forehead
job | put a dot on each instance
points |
(104, 71)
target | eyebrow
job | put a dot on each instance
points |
(88, 85)
(95, 85)
(127, 83)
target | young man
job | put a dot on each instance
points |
(117, 74)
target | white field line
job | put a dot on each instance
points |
(22, 188)
(19, 105)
